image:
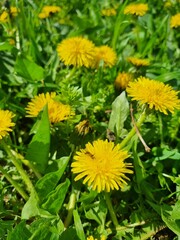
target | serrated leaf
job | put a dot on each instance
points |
(38, 149)
(49, 181)
(120, 111)
(56, 198)
(28, 69)
(78, 225)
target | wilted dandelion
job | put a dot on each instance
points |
(156, 94)
(175, 21)
(122, 80)
(106, 55)
(76, 51)
(102, 166)
(138, 9)
(48, 10)
(108, 12)
(5, 122)
(138, 61)
(83, 127)
(56, 110)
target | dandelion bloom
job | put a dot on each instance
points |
(138, 61)
(156, 94)
(83, 127)
(4, 17)
(108, 12)
(5, 122)
(48, 10)
(138, 9)
(76, 51)
(102, 165)
(106, 55)
(56, 110)
(175, 21)
(122, 80)
(92, 238)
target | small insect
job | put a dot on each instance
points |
(90, 154)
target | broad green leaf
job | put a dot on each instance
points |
(5, 226)
(69, 234)
(78, 225)
(41, 229)
(38, 149)
(20, 232)
(28, 69)
(56, 198)
(4, 46)
(31, 207)
(49, 181)
(120, 111)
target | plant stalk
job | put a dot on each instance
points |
(111, 210)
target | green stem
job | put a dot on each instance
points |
(18, 166)
(133, 130)
(70, 208)
(111, 210)
(161, 129)
(15, 185)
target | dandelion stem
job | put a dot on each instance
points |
(70, 208)
(15, 185)
(111, 210)
(19, 167)
(133, 130)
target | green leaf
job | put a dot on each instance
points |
(20, 232)
(5, 226)
(49, 181)
(69, 234)
(4, 46)
(56, 198)
(38, 149)
(78, 225)
(120, 111)
(28, 69)
(170, 215)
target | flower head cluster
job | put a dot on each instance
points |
(76, 51)
(5, 122)
(4, 17)
(122, 80)
(138, 9)
(138, 61)
(156, 94)
(102, 165)
(105, 55)
(108, 12)
(175, 21)
(48, 10)
(56, 110)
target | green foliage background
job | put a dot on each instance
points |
(149, 206)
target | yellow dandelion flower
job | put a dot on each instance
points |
(5, 122)
(108, 12)
(102, 166)
(122, 80)
(106, 55)
(138, 61)
(48, 10)
(138, 9)
(83, 127)
(4, 17)
(92, 238)
(175, 21)
(156, 94)
(56, 110)
(14, 11)
(76, 51)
